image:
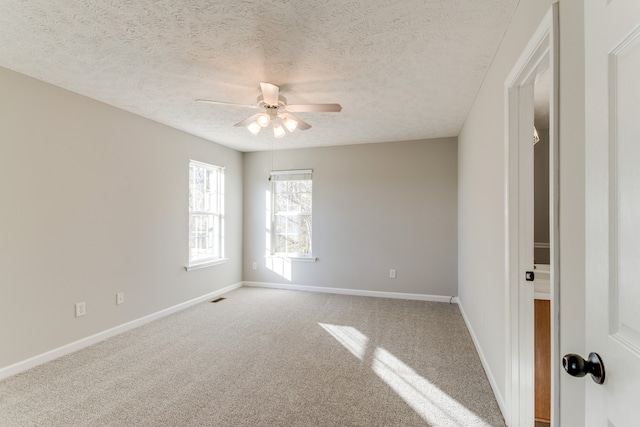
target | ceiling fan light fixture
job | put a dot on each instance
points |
(278, 130)
(290, 124)
(263, 120)
(254, 128)
(276, 111)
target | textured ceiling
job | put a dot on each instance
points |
(401, 69)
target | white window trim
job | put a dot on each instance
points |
(209, 262)
(204, 264)
(292, 172)
(282, 255)
(294, 258)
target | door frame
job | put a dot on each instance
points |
(541, 51)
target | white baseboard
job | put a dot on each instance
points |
(358, 292)
(101, 336)
(485, 365)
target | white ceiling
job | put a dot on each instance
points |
(401, 69)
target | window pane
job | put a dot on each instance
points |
(281, 186)
(305, 244)
(197, 199)
(305, 202)
(206, 212)
(200, 236)
(293, 246)
(212, 181)
(294, 203)
(305, 224)
(293, 187)
(281, 243)
(215, 250)
(199, 178)
(280, 203)
(295, 224)
(292, 216)
(211, 204)
(281, 224)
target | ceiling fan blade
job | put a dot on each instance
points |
(248, 121)
(302, 125)
(315, 108)
(270, 93)
(209, 101)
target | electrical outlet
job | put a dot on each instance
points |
(254, 265)
(120, 298)
(81, 309)
(392, 273)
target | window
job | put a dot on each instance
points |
(291, 220)
(206, 214)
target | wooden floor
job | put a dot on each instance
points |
(542, 316)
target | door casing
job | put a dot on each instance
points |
(541, 52)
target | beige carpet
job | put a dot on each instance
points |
(265, 357)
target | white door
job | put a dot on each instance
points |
(612, 199)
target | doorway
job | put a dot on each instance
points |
(541, 250)
(537, 68)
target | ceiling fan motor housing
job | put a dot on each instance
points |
(282, 103)
(277, 107)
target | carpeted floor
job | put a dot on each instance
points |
(265, 357)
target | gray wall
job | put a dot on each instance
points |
(481, 209)
(481, 163)
(94, 202)
(375, 207)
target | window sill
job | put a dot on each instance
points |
(206, 264)
(295, 258)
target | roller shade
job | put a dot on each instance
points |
(291, 175)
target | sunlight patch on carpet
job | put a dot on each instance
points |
(350, 338)
(432, 404)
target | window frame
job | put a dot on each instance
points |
(287, 175)
(215, 212)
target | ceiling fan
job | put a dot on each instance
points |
(277, 111)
